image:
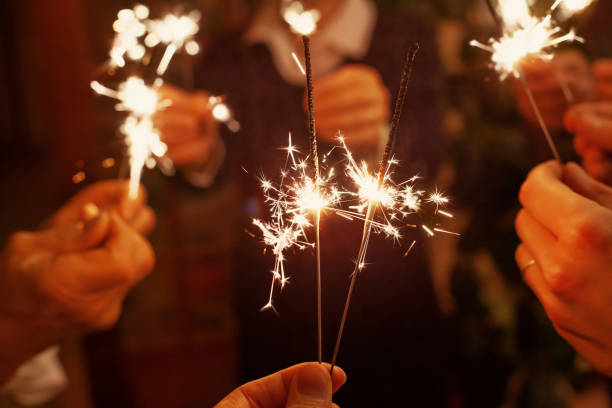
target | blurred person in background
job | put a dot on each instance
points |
(357, 54)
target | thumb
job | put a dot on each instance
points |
(311, 388)
(579, 181)
(75, 237)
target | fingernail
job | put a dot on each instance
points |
(313, 382)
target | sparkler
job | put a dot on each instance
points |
(134, 31)
(304, 22)
(129, 28)
(524, 36)
(571, 7)
(142, 138)
(176, 32)
(291, 203)
(376, 192)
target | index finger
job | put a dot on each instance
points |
(548, 199)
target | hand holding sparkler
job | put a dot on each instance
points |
(110, 195)
(64, 281)
(303, 385)
(591, 124)
(355, 100)
(188, 126)
(565, 228)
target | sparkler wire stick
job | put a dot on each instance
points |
(541, 121)
(312, 132)
(372, 205)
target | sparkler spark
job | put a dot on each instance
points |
(129, 28)
(571, 7)
(142, 138)
(525, 36)
(300, 20)
(294, 205)
(176, 32)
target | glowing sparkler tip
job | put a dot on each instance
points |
(300, 21)
(525, 36)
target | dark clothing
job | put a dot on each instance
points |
(394, 342)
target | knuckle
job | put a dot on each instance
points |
(560, 278)
(587, 231)
(18, 241)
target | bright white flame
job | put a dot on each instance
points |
(569, 8)
(141, 137)
(297, 200)
(173, 29)
(128, 27)
(136, 97)
(221, 112)
(525, 36)
(144, 143)
(300, 21)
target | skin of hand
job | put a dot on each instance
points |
(65, 281)
(591, 124)
(107, 195)
(544, 80)
(187, 127)
(602, 70)
(352, 99)
(306, 385)
(566, 227)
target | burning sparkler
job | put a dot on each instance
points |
(301, 21)
(129, 29)
(304, 22)
(524, 36)
(133, 31)
(571, 7)
(292, 204)
(376, 191)
(143, 141)
(176, 33)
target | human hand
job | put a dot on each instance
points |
(568, 76)
(591, 124)
(566, 255)
(354, 100)
(107, 195)
(602, 69)
(307, 385)
(187, 127)
(65, 281)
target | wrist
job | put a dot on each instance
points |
(17, 345)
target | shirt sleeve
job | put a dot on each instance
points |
(37, 381)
